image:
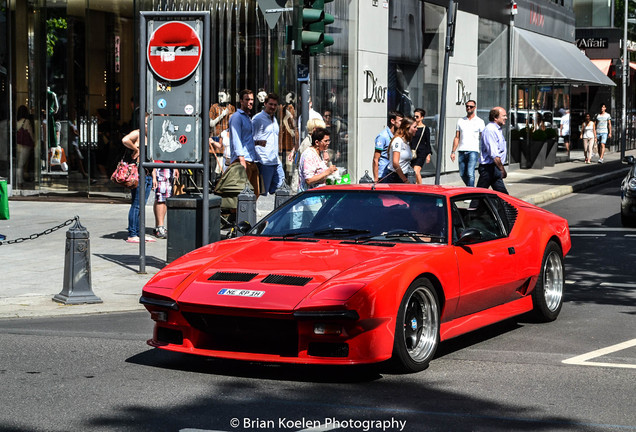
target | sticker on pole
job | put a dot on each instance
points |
(174, 51)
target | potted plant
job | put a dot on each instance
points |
(533, 152)
(552, 138)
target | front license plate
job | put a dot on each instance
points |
(241, 293)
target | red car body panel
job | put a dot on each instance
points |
(191, 314)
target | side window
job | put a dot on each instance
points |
(477, 213)
(507, 212)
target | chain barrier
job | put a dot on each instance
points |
(45, 232)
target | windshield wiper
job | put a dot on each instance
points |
(337, 232)
(417, 236)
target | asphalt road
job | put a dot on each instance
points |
(95, 372)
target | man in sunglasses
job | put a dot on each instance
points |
(466, 143)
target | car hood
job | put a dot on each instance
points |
(263, 273)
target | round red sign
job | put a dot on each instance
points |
(174, 51)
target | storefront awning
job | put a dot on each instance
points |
(602, 64)
(541, 59)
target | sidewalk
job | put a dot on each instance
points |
(32, 271)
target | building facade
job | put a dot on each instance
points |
(73, 66)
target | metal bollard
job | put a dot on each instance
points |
(411, 176)
(77, 268)
(283, 193)
(366, 178)
(246, 207)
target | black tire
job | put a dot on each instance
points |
(417, 327)
(627, 221)
(547, 296)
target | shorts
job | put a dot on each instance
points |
(566, 138)
(164, 185)
(602, 137)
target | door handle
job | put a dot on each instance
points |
(511, 251)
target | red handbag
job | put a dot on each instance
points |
(126, 174)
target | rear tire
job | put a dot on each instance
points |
(417, 327)
(547, 296)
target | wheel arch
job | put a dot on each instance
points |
(437, 285)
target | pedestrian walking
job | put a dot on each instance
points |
(400, 152)
(382, 141)
(313, 170)
(589, 137)
(162, 179)
(132, 142)
(492, 171)
(603, 131)
(266, 130)
(564, 129)
(420, 144)
(466, 143)
(242, 147)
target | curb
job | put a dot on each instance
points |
(560, 191)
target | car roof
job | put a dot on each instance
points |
(445, 190)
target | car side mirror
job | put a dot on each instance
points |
(629, 160)
(468, 236)
(244, 226)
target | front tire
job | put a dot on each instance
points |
(547, 296)
(417, 327)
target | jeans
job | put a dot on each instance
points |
(133, 213)
(490, 175)
(272, 176)
(467, 161)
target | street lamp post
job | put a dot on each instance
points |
(624, 77)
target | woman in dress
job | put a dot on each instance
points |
(400, 152)
(588, 129)
(421, 143)
(312, 168)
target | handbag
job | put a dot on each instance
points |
(24, 136)
(126, 174)
(414, 151)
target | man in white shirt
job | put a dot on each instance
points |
(265, 130)
(564, 129)
(466, 143)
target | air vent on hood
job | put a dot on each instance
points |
(232, 277)
(287, 280)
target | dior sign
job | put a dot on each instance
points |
(462, 95)
(372, 91)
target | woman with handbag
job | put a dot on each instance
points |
(25, 143)
(400, 154)
(421, 145)
(131, 141)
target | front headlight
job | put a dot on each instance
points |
(632, 183)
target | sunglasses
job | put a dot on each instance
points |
(470, 106)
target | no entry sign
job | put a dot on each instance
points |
(174, 51)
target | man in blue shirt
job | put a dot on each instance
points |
(382, 141)
(265, 129)
(493, 152)
(242, 147)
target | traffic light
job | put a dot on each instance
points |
(310, 22)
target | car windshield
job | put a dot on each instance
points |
(362, 216)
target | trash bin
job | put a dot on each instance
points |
(185, 220)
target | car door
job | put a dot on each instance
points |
(486, 265)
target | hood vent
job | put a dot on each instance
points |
(287, 280)
(232, 277)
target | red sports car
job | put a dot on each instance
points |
(361, 274)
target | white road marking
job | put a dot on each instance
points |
(609, 229)
(630, 235)
(582, 360)
(618, 285)
(588, 235)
